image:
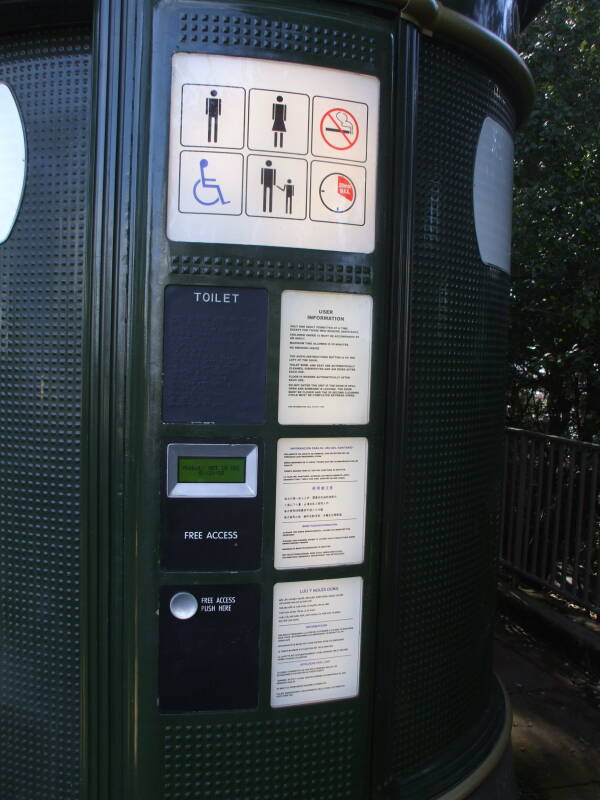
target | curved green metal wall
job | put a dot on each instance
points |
(83, 281)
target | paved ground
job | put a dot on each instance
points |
(556, 707)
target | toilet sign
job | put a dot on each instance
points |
(272, 153)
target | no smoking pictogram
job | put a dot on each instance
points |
(339, 128)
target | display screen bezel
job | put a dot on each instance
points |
(215, 452)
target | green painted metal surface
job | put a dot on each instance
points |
(42, 287)
(428, 711)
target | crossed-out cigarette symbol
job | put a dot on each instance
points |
(339, 128)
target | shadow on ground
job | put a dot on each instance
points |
(556, 708)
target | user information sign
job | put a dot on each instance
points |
(272, 153)
(325, 358)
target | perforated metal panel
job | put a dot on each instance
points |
(446, 711)
(232, 29)
(41, 327)
(270, 760)
(273, 270)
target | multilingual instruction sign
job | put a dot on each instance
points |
(272, 153)
(321, 502)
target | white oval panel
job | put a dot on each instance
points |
(492, 194)
(12, 161)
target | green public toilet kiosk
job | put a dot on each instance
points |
(254, 275)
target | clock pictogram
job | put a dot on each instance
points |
(337, 192)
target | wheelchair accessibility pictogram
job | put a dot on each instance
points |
(205, 187)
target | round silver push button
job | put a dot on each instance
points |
(183, 605)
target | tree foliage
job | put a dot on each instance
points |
(555, 328)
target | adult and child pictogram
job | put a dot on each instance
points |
(268, 179)
(276, 187)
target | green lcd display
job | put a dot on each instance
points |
(195, 469)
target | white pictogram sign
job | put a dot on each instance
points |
(278, 121)
(212, 116)
(290, 152)
(341, 129)
(276, 187)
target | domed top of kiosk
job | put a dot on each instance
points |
(487, 29)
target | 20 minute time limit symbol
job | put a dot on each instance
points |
(339, 128)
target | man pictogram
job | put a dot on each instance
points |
(267, 179)
(212, 108)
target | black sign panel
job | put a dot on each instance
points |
(215, 354)
(209, 661)
(212, 534)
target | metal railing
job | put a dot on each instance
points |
(550, 531)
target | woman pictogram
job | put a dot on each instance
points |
(278, 115)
